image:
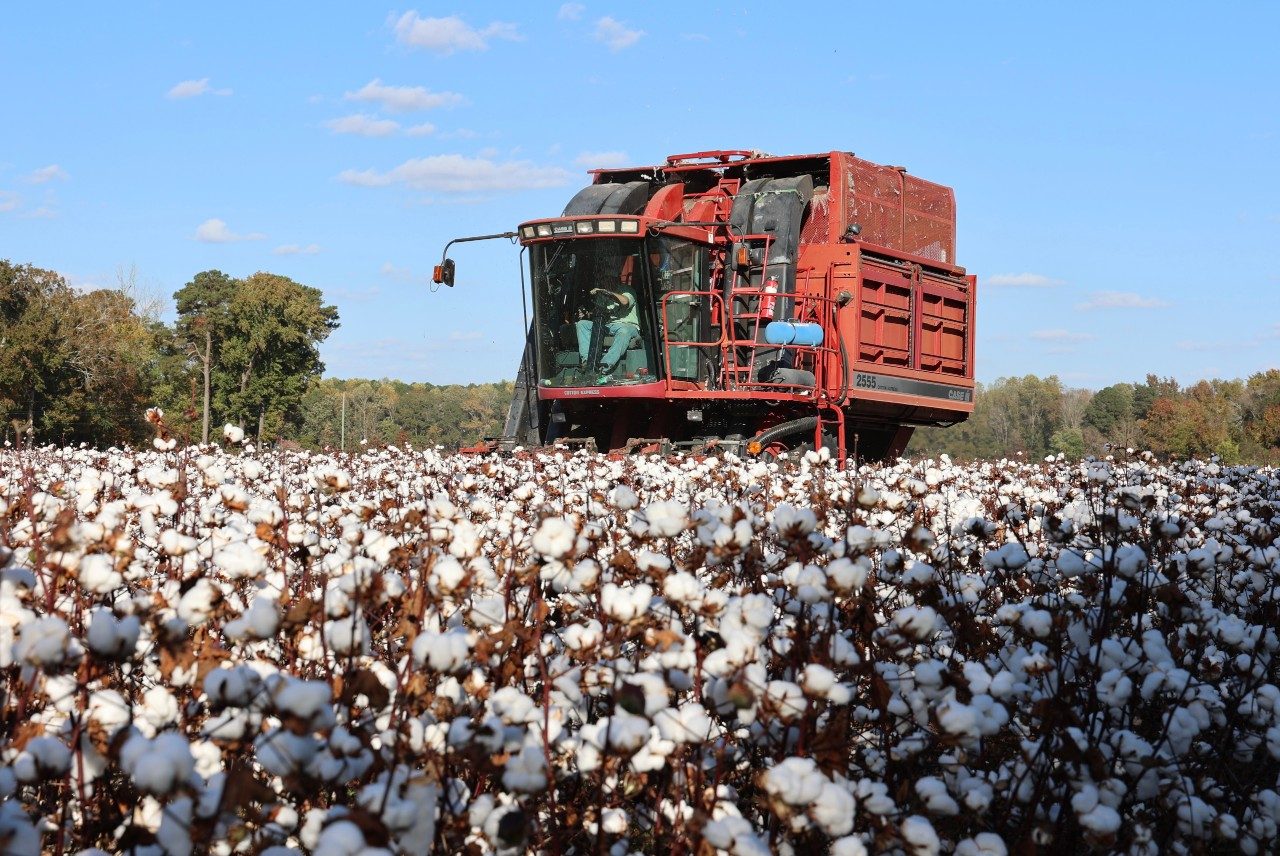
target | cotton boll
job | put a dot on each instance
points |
(157, 766)
(260, 621)
(933, 793)
(919, 836)
(198, 603)
(982, 844)
(98, 575)
(41, 759)
(916, 622)
(526, 771)
(833, 809)
(110, 637)
(444, 652)
(555, 538)
(45, 642)
(795, 781)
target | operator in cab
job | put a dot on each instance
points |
(623, 323)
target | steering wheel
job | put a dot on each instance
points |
(606, 301)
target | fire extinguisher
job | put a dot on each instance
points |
(769, 297)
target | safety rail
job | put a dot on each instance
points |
(737, 354)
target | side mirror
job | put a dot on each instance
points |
(443, 273)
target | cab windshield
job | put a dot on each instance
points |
(598, 307)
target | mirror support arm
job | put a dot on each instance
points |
(443, 272)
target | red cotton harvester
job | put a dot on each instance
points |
(741, 300)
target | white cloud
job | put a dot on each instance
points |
(465, 336)
(1063, 336)
(47, 173)
(402, 99)
(215, 231)
(362, 124)
(1021, 280)
(296, 250)
(602, 160)
(460, 174)
(9, 200)
(445, 36)
(1120, 300)
(615, 34)
(426, 129)
(571, 11)
(192, 88)
(44, 212)
(403, 274)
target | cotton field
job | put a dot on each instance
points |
(222, 650)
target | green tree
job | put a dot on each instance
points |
(203, 326)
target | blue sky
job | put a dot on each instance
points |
(1116, 166)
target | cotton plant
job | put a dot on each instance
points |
(412, 651)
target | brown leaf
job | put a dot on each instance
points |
(363, 682)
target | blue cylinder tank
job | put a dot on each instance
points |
(803, 333)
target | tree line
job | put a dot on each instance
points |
(83, 367)
(1239, 421)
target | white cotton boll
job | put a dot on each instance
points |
(233, 434)
(682, 587)
(282, 753)
(555, 538)
(306, 700)
(174, 543)
(613, 821)
(239, 560)
(110, 637)
(848, 575)
(341, 838)
(1037, 622)
(786, 699)
(159, 765)
(623, 498)
(447, 574)
(198, 603)
(42, 758)
(1009, 557)
(817, 679)
(850, 845)
(19, 835)
(526, 771)
(347, 636)
(916, 622)
(957, 718)
(260, 621)
(45, 641)
(626, 603)
(465, 540)
(833, 810)
(444, 652)
(982, 844)
(661, 519)
(579, 637)
(98, 575)
(920, 837)
(513, 707)
(795, 781)
(1101, 820)
(933, 793)
(627, 732)
(109, 710)
(235, 687)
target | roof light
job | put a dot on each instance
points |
(631, 226)
(584, 227)
(527, 231)
(544, 230)
(607, 226)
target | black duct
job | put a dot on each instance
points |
(775, 206)
(629, 198)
